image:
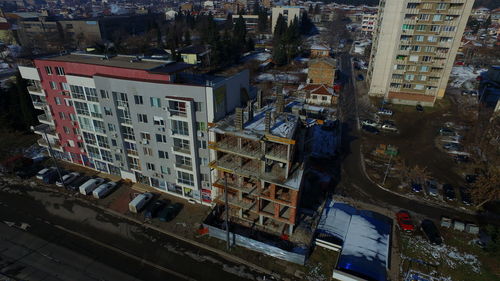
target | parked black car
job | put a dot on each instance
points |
(370, 129)
(449, 192)
(431, 232)
(169, 212)
(76, 183)
(28, 172)
(154, 208)
(419, 108)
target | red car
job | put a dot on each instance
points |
(404, 221)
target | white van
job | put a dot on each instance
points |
(43, 172)
(103, 189)
(136, 205)
(90, 185)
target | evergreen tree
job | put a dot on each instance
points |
(26, 109)
(262, 21)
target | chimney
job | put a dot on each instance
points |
(280, 103)
(250, 110)
(267, 121)
(259, 99)
(238, 121)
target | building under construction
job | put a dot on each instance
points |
(257, 152)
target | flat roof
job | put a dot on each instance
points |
(121, 61)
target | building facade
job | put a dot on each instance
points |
(143, 120)
(414, 48)
(369, 22)
(288, 12)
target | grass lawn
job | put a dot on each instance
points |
(458, 259)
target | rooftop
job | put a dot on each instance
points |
(130, 62)
(282, 125)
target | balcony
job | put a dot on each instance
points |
(183, 150)
(248, 187)
(177, 113)
(54, 145)
(184, 167)
(39, 104)
(45, 119)
(34, 90)
(245, 203)
(43, 129)
(248, 148)
(277, 151)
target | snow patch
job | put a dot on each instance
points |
(462, 74)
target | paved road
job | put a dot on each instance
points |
(355, 184)
(97, 246)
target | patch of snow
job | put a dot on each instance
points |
(278, 77)
(462, 74)
(262, 56)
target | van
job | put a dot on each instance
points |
(136, 205)
(103, 190)
(90, 185)
(44, 171)
(50, 177)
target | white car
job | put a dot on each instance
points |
(384, 111)
(389, 127)
(104, 189)
(67, 179)
(368, 122)
(44, 171)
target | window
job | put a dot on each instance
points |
(182, 160)
(435, 28)
(62, 116)
(165, 170)
(432, 39)
(53, 85)
(58, 100)
(89, 138)
(441, 6)
(419, 87)
(180, 127)
(409, 77)
(143, 118)
(124, 116)
(145, 136)
(448, 28)
(429, 49)
(408, 27)
(134, 163)
(68, 102)
(181, 143)
(162, 154)
(102, 141)
(198, 106)
(106, 155)
(415, 48)
(419, 38)
(204, 161)
(424, 68)
(91, 94)
(424, 17)
(108, 111)
(412, 6)
(121, 99)
(158, 121)
(202, 144)
(426, 58)
(67, 131)
(161, 138)
(423, 78)
(399, 67)
(185, 178)
(104, 94)
(177, 108)
(72, 117)
(414, 58)
(59, 70)
(128, 133)
(48, 70)
(147, 151)
(150, 166)
(77, 92)
(71, 143)
(421, 27)
(76, 131)
(407, 86)
(445, 39)
(95, 110)
(64, 86)
(204, 177)
(155, 102)
(437, 17)
(138, 99)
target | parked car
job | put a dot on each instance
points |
(43, 172)
(416, 187)
(431, 232)
(466, 197)
(139, 202)
(389, 127)
(451, 146)
(384, 111)
(154, 208)
(432, 188)
(404, 221)
(51, 176)
(67, 179)
(169, 212)
(28, 172)
(89, 186)
(369, 122)
(419, 108)
(449, 192)
(461, 158)
(75, 185)
(360, 77)
(104, 189)
(370, 129)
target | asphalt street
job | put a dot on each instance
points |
(354, 183)
(96, 246)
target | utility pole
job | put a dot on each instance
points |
(51, 152)
(228, 242)
(387, 170)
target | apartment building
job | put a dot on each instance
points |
(288, 12)
(414, 48)
(141, 119)
(368, 22)
(256, 159)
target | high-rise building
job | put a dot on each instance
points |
(141, 119)
(414, 48)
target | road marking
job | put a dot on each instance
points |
(141, 260)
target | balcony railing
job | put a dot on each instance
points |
(44, 118)
(36, 90)
(183, 166)
(181, 149)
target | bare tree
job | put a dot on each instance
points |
(487, 186)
